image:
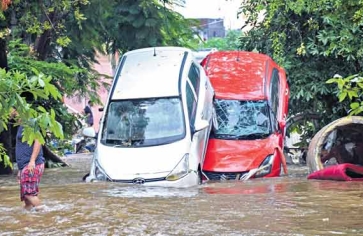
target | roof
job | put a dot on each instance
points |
(237, 74)
(149, 72)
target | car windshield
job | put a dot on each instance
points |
(147, 122)
(241, 119)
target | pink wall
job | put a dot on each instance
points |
(77, 104)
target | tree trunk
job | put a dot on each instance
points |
(49, 155)
(42, 43)
(3, 56)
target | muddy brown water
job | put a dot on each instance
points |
(287, 205)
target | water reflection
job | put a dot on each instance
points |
(138, 191)
(290, 205)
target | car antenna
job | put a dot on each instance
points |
(154, 52)
(237, 59)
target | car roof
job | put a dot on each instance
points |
(237, 74)
(149, 72)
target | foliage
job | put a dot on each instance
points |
(351, 89)
(313, 41)
(147, 23)
(46, 24)
(53, 45)
(230, 42)
(65, 79)
(5, 157)
(37, 121)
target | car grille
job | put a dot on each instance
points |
(224, 175)
(132, 181)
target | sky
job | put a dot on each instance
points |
(225, 9)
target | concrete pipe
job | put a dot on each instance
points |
(340, 141)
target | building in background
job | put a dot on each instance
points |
(211, 28)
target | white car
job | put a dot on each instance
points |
(156, 122)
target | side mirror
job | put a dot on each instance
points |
(200, 125)
(89, 132)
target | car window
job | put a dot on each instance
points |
(143, 122)
(191, 104)
(194, 77)
(241, 119)
(274, 90)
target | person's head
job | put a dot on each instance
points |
(90, 103)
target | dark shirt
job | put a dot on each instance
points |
(23, 151)
(88, 112)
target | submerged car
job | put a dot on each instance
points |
(156, 122)
(251, 105)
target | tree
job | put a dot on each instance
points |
(313, 41)
(59, 40)
(41, 26)
(133, 24)
(37, 121)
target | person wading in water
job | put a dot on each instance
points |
(30, 161)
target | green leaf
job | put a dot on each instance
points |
(342, 96)
(341, 83)
(354, 105)
(352, 94)
(332, 80)
(41, 82)
(40, 108)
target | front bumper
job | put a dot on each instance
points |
(191, 179)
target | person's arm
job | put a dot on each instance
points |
(36, 149)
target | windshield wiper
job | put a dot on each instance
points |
(118, 142)
(253, 136)
(125, 143)
(226, 136)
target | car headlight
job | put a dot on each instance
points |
(268, 166)
(100, 173)
(180, 170)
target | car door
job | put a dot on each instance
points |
(276, 103)
(206, 95)
(195, 92)
(284, 101)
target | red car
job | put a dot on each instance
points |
(251, 105)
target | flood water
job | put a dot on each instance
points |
(287, 205)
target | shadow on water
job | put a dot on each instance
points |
(289, 205)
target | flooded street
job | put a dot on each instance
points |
(288, 205)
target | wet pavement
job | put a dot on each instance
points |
(286, 205)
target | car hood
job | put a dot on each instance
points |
(238, 155)
(143, 162)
